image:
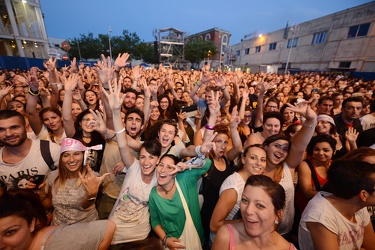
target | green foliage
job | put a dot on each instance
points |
(197, 50)
(93, 47)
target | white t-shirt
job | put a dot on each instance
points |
(236, 182)
(286, 182)
(44, 135)
(319, 209)
(130, 212)
(367, 121)
(31, 167)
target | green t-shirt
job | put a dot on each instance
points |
(170, 214)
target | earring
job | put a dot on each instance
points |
(276, 222)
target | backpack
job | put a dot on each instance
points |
(46, 154)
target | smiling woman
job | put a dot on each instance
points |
(23, 225)
(262, 204)
(72, 189)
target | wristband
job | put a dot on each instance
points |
(119, 132)
(33, 93)
(209, 127)
(198, 151)
(165, 241)
(308, 125)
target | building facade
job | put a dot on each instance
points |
(220, 39)
(22, 29)
(342, 41)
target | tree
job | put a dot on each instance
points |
(198, 49)
(91, 47)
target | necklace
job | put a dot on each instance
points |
(165, 190)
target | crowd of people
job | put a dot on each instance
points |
(121, 157)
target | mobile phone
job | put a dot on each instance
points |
(37, 180)
(316, 90)
(190, 110)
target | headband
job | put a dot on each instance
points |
(323, 117)
(69, 144)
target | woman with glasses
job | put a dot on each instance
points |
(82, 129)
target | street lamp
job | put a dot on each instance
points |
(109, 41)
(294, 30)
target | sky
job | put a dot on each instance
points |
(68, 19)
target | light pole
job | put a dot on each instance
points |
(109, 41)
(294, 30)
(79, 50)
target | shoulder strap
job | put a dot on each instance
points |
(313, 175)
(46, 154)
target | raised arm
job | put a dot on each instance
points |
(259, 109)
(53, 78)
(245, 97)
(303, 137)
(32, 101)
(115, 103)
(236, 140)
(70, 84)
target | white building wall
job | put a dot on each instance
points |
(360, 51)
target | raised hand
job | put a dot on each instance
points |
(351, 135)
(136, 72)
(121, 60)
(234, 119)
(113, 97)
(98, 123)
(73, 65)
(71, 82)
(91, 182)
(305, 111)
(181, 115)
(33, 79)
(214, 106)
(207, 144)
(5, 91)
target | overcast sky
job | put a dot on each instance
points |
(68, 19)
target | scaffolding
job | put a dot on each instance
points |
(171, 43)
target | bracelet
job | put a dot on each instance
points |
(308, 125)
(165, 241)
(119, 132)
(33, 93)
(198, 151)
(209, 127)
(91, 199)
(111, 137)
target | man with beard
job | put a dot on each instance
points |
(21, 156)
(349, 117)
(129, 101)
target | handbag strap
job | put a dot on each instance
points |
(184, 204)
(313, 175)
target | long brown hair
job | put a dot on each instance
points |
(63, 175)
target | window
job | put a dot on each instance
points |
(358, 30)
(247, 51)
(208, 37)
(319, 37)
(345, 64)
(257, 49)
(272, 46)
(224, 39)
(238, 52)
(292, 42)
